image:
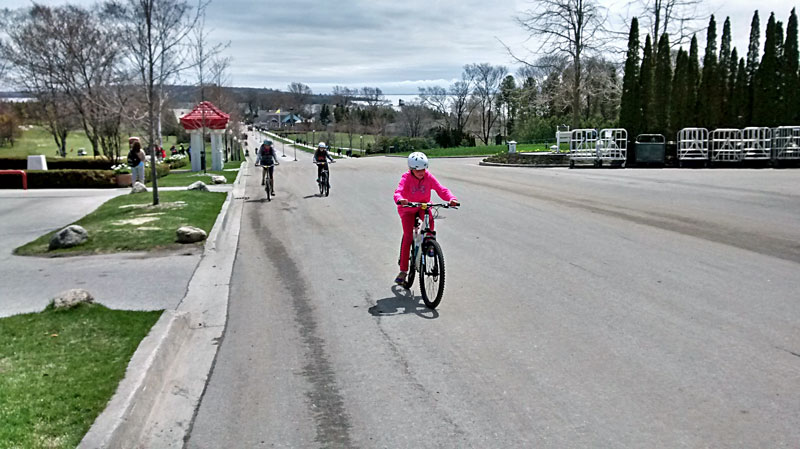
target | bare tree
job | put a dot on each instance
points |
(343, 95)
(571, 27)
(435, 97)
(412, 118)
(460, 106)
(156, 34)
(28, 52)
(679, 18)
(299, 95)
(373, 96)
(486, 78)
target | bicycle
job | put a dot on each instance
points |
(324, 180)
(426, 256)
(268, 180)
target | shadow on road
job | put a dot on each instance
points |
(316, 195)
(403, 302)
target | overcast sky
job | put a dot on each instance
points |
(397, 45)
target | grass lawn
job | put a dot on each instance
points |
(37, 140)
(59, 369)
(183, 179)
(340, 139)
(132, 223)
(477, 151)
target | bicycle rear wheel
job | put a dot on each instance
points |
(412, 271)
(431, 274)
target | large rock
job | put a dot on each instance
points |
(190, 234)
(199, 185)
(217, 179)
(71, 298)
(138, 187)
(68, 237)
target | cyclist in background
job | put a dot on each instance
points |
(321, 158)
(267, 159)
(415, 186)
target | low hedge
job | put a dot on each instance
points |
(71, 179)
(161, 169)
(176, 163)
(21, 163)
(61, 179)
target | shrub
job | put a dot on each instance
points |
(21, 163)
(176, 161)
(62, 179)
(161, 170)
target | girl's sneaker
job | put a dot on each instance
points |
(400, 278)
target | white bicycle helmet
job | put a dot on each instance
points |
(417, 161)
(322, 145)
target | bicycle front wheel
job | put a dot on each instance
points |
(325, 184)
(267, 187)
(431, 274)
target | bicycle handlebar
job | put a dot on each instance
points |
(444, 205)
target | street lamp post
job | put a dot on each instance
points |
(313, 137)
(361, 143)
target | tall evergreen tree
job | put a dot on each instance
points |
(740, 96)
(680, 93)
(790, 75)
(707, 95)
(731, 101)
(766, 95)
(630, 107)
(663, 86)
(646, 88)
(724, 74)
(751, 65)
(693, 83)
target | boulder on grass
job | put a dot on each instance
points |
(138, 187)
(71, 298)
(217, 179)
(198, 185)
(68, 237)
(190, 234)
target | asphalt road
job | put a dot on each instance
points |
(583, 308)
(133, 281)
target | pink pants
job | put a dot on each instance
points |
(407, 218)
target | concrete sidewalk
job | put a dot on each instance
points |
(133, 281)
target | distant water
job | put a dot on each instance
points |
(407, 98)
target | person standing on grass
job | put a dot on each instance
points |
(136, 159)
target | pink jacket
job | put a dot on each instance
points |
(419, 190)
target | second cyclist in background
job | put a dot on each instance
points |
(268, 159)
(321, 158)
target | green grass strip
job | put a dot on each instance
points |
(59, 369)
(132, 223)
(183, 179)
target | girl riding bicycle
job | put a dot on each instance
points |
(415, 186)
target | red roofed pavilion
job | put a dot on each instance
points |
(205, 112)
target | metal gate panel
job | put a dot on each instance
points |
(583, 145)
(726, 145)
(613, 145)
(786, 142)
(756, 143)
(693, 144)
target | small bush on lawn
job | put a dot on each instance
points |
(161, 170)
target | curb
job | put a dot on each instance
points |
(124, 417)
(495, 164)
(155, 403)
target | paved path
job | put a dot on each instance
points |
(136, 281)
(583, 308)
